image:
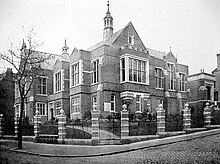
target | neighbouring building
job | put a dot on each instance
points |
(7, 96)
(117, 70)
(202, 86)
(216, 73)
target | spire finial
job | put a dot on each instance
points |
(65, 43)
(170, 48)
(65, 48)
(108, 7)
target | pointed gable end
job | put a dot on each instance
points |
(170, 57)
(128, 36)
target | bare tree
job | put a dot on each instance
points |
(28, 65)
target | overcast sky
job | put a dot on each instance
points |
(190, 27)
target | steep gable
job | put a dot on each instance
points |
(170, 57)
(121, 38)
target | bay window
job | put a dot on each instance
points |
(133, 69)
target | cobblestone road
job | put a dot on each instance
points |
(201, 150)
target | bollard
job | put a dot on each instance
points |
(186, 117)
(160, 120)
(95, 125)
(16, 124)
(207, 115)
(61, 126)
(1, 128)
(124, 122)
(37, 123)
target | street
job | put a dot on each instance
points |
(200, 150)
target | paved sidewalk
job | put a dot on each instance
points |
(57, 150)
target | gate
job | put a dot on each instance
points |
(110, 127)
(197, 117)
(142, 124)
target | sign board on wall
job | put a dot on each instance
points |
(107, 106)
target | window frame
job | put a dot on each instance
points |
(57, 109)
(75, 104)
(95, 70)
(138, 103)
(183, 82)
(42, 110)
(143, 71)
(58, 85)
(75, 75)
(171, 76)
(42, 85)
(159, 79)
(112, 103)
(130, 38)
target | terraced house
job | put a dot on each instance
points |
(119, 69)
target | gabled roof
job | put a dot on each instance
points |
(113, 38)
(52, 58)
(156, 54)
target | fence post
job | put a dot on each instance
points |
(160, 119)
(186, 117)
(207, 115)
(61, 126)
(16, 124)
(124, 122)
(1, 126)
(37, 123)
(95, 125)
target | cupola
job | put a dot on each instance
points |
(108, 25)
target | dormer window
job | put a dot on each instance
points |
(130, 39)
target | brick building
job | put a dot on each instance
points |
(41, 90)
(216, 73)
(7, 96)
(120, 69)
(202, 86)
(117, 70)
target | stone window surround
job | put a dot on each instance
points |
(41, 108)
(171, 87)
(112, 102)
(95, 71)
(75, 104)
(161, 78)
(61, 71)
(41, 86)
(79, 74)
(126, 57)
(182, 73)
(130, 38)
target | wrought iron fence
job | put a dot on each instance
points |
(174, 123)
(142, 127)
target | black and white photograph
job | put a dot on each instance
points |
(109, 81)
